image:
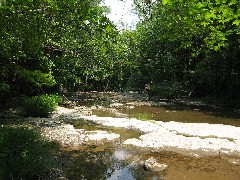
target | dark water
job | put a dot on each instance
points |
(116, 161)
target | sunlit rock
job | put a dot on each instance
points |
(100, 135)
(223, 139)
(152, 165)
(116, 105)
(202, 129)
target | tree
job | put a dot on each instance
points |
(51, 43)
(178, 39)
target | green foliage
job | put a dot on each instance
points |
(167, 89)
(71, 45)
(23, 154)
(54, 44)
(213, 21)
(4, 93)
(39, 106)
(191, 45)
(37, 78)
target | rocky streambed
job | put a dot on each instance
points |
(176, 136)
(65, 134)
(159, 149)
(109, 142)
(125, 136)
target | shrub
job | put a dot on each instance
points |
(23, 154)
(39, 106)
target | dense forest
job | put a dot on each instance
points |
(179, 48)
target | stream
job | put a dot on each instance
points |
(113, 160)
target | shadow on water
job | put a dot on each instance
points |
(105, 161)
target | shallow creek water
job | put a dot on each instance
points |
(116, 161)
(186, 115)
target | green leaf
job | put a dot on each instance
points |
(165, 2)
(199, 5)
(232, 2)
(108, 28)
(218, 1)
(236, 22)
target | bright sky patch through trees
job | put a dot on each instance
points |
(122, 13)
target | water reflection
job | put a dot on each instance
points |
(107, 164)
(125, 164)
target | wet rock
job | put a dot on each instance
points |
(152, 165)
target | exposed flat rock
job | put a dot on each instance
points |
(202, 129)
(127, 123)
(183, 136)
(159, 140)
(67, 135)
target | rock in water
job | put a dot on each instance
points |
(152, 165)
